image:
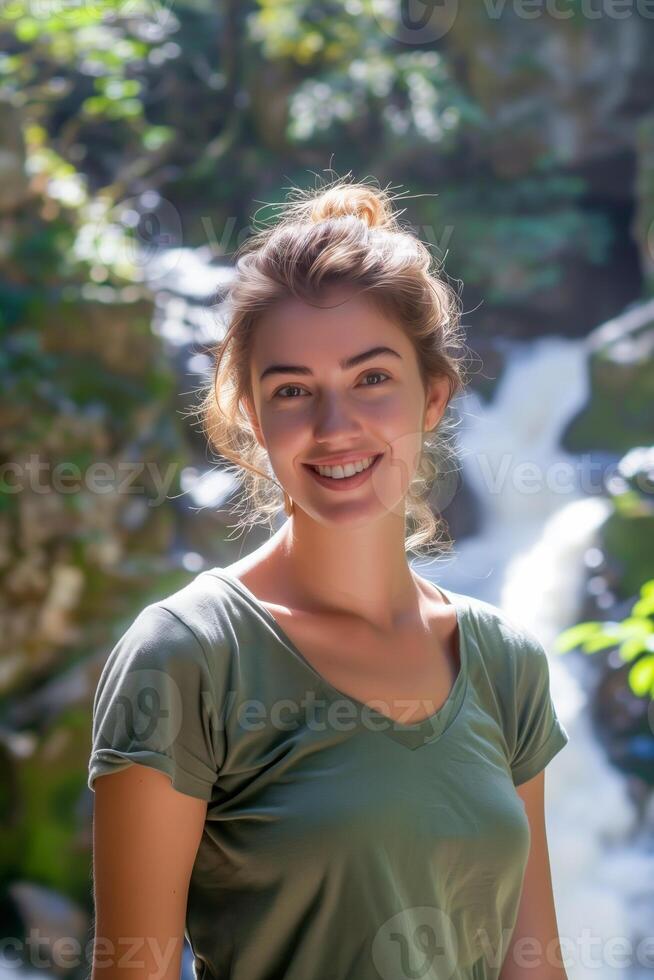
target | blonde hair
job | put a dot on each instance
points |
(342, 234)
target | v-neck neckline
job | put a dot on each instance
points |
(411, 734)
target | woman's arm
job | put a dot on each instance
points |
(145, 839)
(534, 949)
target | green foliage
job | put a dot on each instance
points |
(307, 32)
(74, 67)
(409, 96)
(101, 42)
(361, 79)
(534, 223)
(633, 637)
(50, 786)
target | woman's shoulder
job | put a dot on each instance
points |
(511, 664)
(199, 618)
(502, 636)
(188, 635)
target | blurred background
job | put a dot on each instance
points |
(140, 144)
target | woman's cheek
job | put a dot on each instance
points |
(283, 424)
(395, 416)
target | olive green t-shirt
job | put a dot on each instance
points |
(338, 844)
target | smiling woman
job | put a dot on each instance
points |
(337, 416)
(340, 839)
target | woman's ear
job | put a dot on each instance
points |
(437, 398)
(254, 422)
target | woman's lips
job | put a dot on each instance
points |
(347, 482)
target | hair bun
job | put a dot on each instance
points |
(363, 202)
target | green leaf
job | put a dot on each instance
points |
(632, 648)
(157, 136)
(574, 636)
(644, 606)
(27, 30)
(641, 677)
(602, 641)
(636, 626)
(95, 105)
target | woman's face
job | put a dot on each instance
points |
(340, 381)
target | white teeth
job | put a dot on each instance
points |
(348, 469)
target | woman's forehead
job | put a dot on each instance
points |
(334, 327)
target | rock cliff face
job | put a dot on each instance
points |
(569, 92)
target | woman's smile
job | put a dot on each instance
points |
(339, 481)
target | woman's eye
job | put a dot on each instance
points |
(376, 374)
(370, 374)
(286, 388)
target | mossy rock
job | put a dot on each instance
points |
(618, 414)
(53, 833)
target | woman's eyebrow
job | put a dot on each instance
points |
(348, 362)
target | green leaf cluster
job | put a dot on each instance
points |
(633, 638)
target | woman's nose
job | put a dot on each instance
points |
(335, 418)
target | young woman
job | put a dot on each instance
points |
(322, 766)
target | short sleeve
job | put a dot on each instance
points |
(537, 732)
(155, 705)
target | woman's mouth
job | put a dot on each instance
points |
(341, 482)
